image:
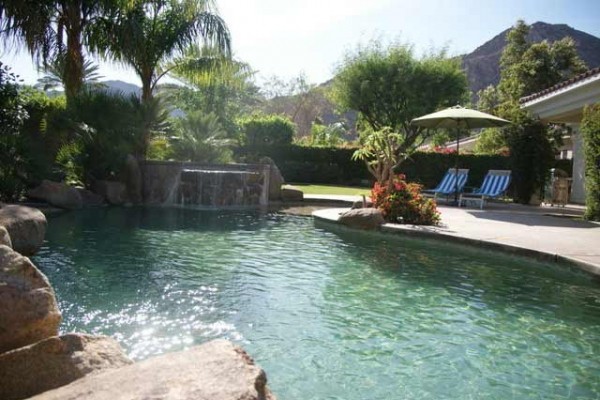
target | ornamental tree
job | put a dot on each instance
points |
(389, 86)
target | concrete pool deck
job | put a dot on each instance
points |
(546, 233)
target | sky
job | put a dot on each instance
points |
(291, 37)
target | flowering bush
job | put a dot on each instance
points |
(402, 202)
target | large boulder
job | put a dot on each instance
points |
(26, 227)
(362, 218)
(28, 310)
(55, 362)
(5, 237)
(114, 192)
(275, 179)
(291, 193)
(58, 194)
(90, 198)
(133, 179)
(216, 370)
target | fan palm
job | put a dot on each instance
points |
(151, 32)
(55, 74)
(48, 28)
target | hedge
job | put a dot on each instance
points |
(335, 166)
(590, 128)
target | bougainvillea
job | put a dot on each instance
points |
(402, 202)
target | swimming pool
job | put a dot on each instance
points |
(328, 313)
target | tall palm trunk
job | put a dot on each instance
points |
(73, 79)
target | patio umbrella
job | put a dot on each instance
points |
(458, 117)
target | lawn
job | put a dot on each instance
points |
(330, 189)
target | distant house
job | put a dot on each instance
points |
(564, 103)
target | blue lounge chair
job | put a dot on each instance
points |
(448, 186)
(494, 185)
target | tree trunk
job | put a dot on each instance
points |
(73, 79)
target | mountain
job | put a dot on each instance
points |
(123, 88)
(482, 65)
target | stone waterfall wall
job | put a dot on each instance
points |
(161, 178)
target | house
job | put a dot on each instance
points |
(564, 103)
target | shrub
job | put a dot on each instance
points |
(590, 128)
(531, 156)
(201, 138)
(267, 130)
(402, 202)
(12, 117)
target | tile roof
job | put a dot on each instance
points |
(564, 84)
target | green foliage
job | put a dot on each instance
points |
(266, 130)
(389, 87)
(55, 74)
(324, 135)
(528, 68)
(159, 149)
(379, 152)
(491, 141)
(590, 128)
(107, 127)
(201, 138)
(147, 33)
(12, 117)
(402, 202)
(531, 156)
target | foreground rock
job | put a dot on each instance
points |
(58, 194)
(362, 218)
(290, 193)
(5, 237)
(55, 362)
(26, 227)
(113, 192)
(217, 370)
(28, 311)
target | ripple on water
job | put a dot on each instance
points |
(328, 314)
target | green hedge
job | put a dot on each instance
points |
(590, 127)
(335, 166)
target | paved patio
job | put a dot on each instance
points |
(547, 233)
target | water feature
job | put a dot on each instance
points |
(216, 188)
(327, 313)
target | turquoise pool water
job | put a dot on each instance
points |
(328, 314)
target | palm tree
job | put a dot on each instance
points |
(49, 28)
(55, 74)
(151, 32)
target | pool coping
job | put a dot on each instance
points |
(331, 215)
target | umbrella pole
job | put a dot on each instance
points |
(456, 166)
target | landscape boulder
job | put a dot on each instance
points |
(5, 237)
(275, 179)
(26, 227)
(90, 198)
(57, 194)
(362, 218)
(133, 179)
(28, 311)
(55, 362)
(113, 192)
(290, 193)
(216, 370)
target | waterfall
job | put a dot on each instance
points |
(219, 188)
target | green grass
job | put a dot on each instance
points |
(330, 189)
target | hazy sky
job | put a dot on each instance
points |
(287, 37)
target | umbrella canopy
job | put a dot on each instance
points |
(459, 117)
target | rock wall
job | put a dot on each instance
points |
(159, 178)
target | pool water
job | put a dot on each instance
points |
(328, 313)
